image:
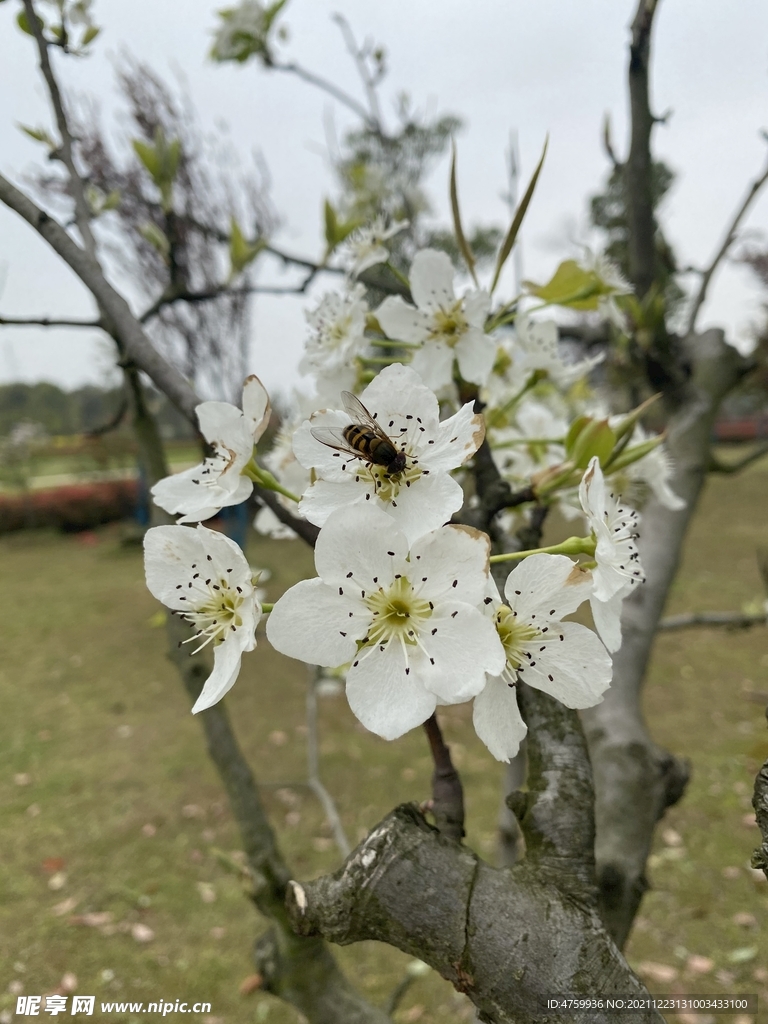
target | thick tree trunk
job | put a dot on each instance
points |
(510, 939)
(635, 780)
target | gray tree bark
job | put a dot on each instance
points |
(635, 780)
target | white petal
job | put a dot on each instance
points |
(399, 391)
(547, 587)
(324, 497)
(314, 454)
(224, 557)
(169, 554)
(576, 670)
(464, 646)
(432, 280)
(453, 554)
(476, 354)
(227, 657)
(223, 422)
(256, 407)
(477, 305)
(384, 698)
(308, 621)
(592, 491)
(402, 322)
(360, 548)
(497, 719)
(607, 617)
(434, 364)
(458, 439)
(426, 505)
(223, 497)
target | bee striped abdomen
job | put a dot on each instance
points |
(369, 445)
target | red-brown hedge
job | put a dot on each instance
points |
(72, 508)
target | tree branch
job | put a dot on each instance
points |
(728, 240)
(66, 150)
(301, 527)
(136, 344)
(358, 56)
(45, 321)
(322, 83)
(447, 804)
(731, 620)
(556, 812)
(760, 804)
(716, 466)
(508, 939)
(313, 768)
(638, 175)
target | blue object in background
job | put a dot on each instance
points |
(235, 520)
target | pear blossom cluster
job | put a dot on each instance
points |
(404, 606)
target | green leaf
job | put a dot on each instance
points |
(517, 220)
(630, 455)
(38, 134)
(570, 285)
(148, 156)
(461, 240)
(241, 251)
(574, 430)
(23, 22)
(596, 439)
(272, 12)
(156, 237)
(331, 225)
(112, 200)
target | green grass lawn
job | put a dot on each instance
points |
(108, 805)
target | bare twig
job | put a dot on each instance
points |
(45, 321)
(137, 345)
(717, 466)
(447, 804)
(66, 149)
(313, 768)
(731, 620)
(728, 240)
(174, 295)
(358, 55)
(608, 144)
(322, 83)
(301, 527)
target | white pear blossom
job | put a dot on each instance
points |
(419, 497)
(532, 443)
(564, 659)
(655, 471)
(447, 327)
(408, 620)
(338, 332)
(618, 567)
(612, 283)
(202, 492)
(537, 348)
(288, 472)
(204, 577)
(366, 245)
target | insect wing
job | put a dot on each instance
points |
(357, 412)
(334, 439)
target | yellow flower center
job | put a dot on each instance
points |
(449, 325)
(398, 613)
(514, 635)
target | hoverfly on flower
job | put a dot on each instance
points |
(363, 438)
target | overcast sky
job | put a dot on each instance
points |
(535, 66)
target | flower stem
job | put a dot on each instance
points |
(266, 607)
(265, 479)
(389, 343)
(572, 546)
